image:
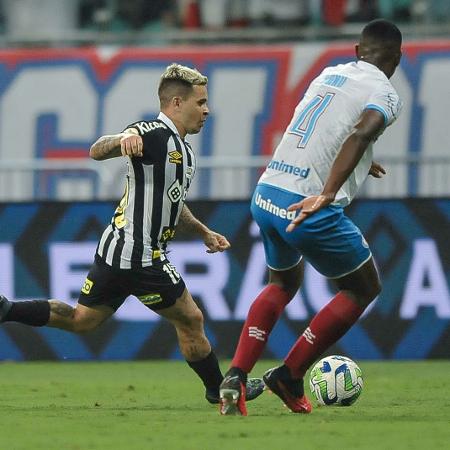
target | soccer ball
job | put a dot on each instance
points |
(336, 380)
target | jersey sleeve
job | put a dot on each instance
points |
(133, 125)
(387, 102)
(150, 139)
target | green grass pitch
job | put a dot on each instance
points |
(160, 405)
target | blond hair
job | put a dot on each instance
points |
(183, 73)
(177, 80)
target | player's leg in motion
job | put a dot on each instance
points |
(54, 313)
(356, 292)
(187, 319)
(261, 318)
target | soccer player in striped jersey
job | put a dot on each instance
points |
(323, 158)
(131, 256)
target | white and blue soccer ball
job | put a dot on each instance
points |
(336, 380)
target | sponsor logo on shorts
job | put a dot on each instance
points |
(270, 207)
(87, 286)
(281, 166)
(150, 299)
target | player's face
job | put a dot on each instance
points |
(195, 109)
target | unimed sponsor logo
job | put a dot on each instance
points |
(270, 207)
(281, 166)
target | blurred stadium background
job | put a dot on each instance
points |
(72, 70)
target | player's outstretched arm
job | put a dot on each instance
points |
(369, 127)
(128, 143)
(214, 241)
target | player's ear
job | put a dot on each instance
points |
(176, 102)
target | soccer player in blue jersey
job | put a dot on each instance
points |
(323, 158)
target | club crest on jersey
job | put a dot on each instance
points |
(175, 192)
(175, 157)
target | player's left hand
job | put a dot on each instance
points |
(307, 207)
(216, 242)
(377, 170)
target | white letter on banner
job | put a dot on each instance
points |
(396, 137)
(6, 272)
(132, 95)
(253, 284)
(209, 284)
(234, 124)
(66, 281)
(425, 265)
(433, 179)
(64, 91)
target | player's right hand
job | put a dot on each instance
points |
(307, 207)
(131, 144)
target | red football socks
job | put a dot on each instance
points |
(261, 318)
(327, 326)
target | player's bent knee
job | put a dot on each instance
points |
(373, 290)
(377, 290)
(195, 319)
(85, 324)
(191, 322)
(291, 289)
(369, 295)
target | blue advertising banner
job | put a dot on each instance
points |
(46, 250)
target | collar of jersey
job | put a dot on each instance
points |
(366, 66)
(168, 122)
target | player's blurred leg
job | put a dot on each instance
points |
(327, 326)
(195, 347)
(55, 314)
(358, 289)
(261, 318)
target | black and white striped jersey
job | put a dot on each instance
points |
(156, 187)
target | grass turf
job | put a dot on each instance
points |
(160, 405)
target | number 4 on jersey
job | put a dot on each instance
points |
(306, 121)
